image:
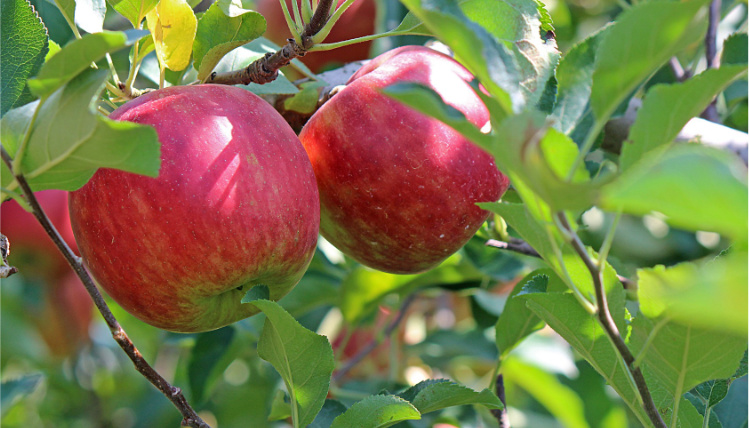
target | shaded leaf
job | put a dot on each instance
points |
(76, 57)
(15, 389)
(257, 292)
(516, 321)
(574, 81)
(695, 187)
(667, 108)
(218, 34)
(70, 141)
(377, 411)
(24, 48)
(475, 47)
(735, 49)
(330, 410)
(209, 349)
(172, 24)
(644, 37)
(303, 359)
(432, 395)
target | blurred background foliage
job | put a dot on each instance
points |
(53, 379)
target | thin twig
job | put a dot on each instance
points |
(711, 54)
(604, 316)
(174, 394)
(375, 342)
(265, 69)
(501, 414)
(521, 247)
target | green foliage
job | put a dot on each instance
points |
(63, 148)
(668, 105)
(642, 40)
(685, 323)
(377, 411)
(289, 347)
(24, 48)
(219, 34)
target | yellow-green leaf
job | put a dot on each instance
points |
(173, 25)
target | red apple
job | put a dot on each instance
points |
(235, 205)
(66, 315)
(357, 21)
(31, 249)
(398, 189)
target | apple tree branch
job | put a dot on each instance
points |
(265, 69)
(174, 394)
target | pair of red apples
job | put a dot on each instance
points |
(239, 201)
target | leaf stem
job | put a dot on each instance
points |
(190, 417)
(609, 326)
(329, 46)
(325, 30)
(608, 240)
(590, 139)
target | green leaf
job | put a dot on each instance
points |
(218, 34)
(522, 25)
(516, 321)
(66, 8)
(24, 48)
(15, 389)
(735, 49)
(427, 101)
(69, 141)
(75, 58)
(560, 400)
(89, 15)
(643, 38)
(680, 357)
(695, 187)
(707, 294)
(257, 292)
(302, 358)
(209, 349)
(476, 48)
(280, 409)
(583, 331)
(134, 10)
(713, 391)
(330, 410)
(377, 411)
(306, 100)
(432, 395)
(574, 81)
(244, 56)
(667, 108)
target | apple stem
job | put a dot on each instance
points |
(609, 326)
(265, 69)
(190, 417)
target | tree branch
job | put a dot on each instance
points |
(174, 394)
(711, 54)
(604, 316)
(265, 69)
(6, 270)
(375, 342)
(501, 414)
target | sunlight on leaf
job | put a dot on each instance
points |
(173, 25)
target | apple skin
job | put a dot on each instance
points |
(398, 189)
(357, 21)
(235, 205)
(31, 249)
